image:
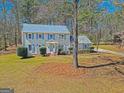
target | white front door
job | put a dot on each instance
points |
(51, 48)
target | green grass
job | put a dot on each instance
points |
(19, 74)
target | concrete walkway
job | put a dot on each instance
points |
(112, 52)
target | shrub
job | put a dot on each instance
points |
(71, 49)
(43, 51)
(22, 52)
(91, 49)
(63, 53)
(59, 51)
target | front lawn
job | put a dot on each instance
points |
(56, 74)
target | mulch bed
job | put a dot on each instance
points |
(60, 69)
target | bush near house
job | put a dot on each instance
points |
(91, 49)
(22, 52)
(59, 51)
(62, 52)
(71, 50)
(43, 51)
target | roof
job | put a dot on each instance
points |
(83, 39)
(45, 28)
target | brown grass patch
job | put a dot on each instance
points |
(60, 69)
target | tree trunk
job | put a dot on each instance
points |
(18, 24)
(75, 32)
(5, 43)
(4, 28)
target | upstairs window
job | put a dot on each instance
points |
(51, 36)
(62, 36)
(29, 36)
(41, 36)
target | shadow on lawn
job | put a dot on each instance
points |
(28, 57)
(120, 71)
(103, 65)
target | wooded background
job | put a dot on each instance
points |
(95, 21)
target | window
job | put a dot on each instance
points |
(30, 48)
(29, 36)
(51, 36)
(39, 45)
(62, 36)
(85, 46)
(41, 36)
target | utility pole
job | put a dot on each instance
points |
(75, 35)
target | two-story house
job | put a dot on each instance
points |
(53, 37)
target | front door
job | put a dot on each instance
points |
(52, 48)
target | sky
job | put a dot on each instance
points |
(9, 5)
(109, 6)
(105, 4)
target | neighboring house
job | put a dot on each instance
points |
(84, 43)
(53, 37)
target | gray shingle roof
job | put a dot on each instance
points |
(83, 39)
(45, 28)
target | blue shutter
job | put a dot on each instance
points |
(51, 36)
(26, 36)
(42, 36)
(36, 36)
(54, 37)
(32, 35)
(48, 36)
(37, 45)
